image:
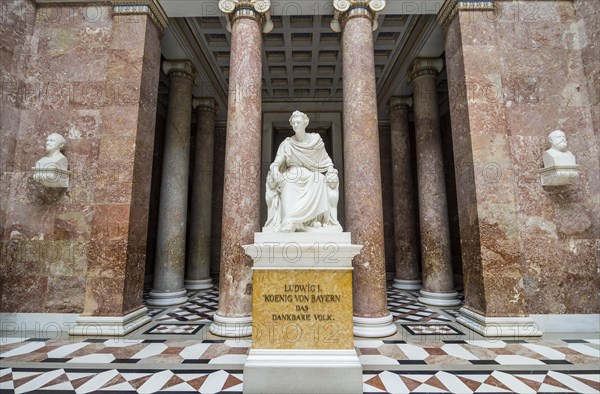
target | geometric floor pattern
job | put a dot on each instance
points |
(121, 381)
(199, 309)
(175, 329)
(481, 382)
(175, 353)
(432, 329)
(404, 307)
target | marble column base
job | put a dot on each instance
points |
(302, 371)
(231, 327)
(439, 299)
(374, 327)
(91, 326)
(167, 298)
(198, 284)
(410, 285)
(518, 327)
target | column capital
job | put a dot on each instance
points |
(258, 10)
(425, 66)
(402, 103)
(149, 7)
(205, 104)
(348, 9)
(451, 7)
(183, 68)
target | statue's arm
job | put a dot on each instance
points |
(279, 159)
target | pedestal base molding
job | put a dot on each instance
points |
(498, 326)
(231, 327)
(199, 284)
(167, 298)
(92, 326)
(374, 327)
(439, 299)
(410, 285)
(302, 371)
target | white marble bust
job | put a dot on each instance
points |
(302, 190)
(52, 169)
(558, 155)
(560, 167)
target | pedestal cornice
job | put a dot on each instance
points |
(349, 9)
(258, 10)
(400, 103)
(425, 66)
(451, 7)
(182, 68)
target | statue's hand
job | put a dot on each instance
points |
(274, 178)
(332, 178)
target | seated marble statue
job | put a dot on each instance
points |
(302, 190)
(558, 155)
(52, 168)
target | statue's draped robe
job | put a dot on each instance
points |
(303, 197)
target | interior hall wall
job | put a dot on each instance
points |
(515, 75)
(92, 78)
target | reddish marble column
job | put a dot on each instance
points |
(198, 265)
(438, 286)
(408, 270)
(168, 286)
(364, 210)
(241, 194)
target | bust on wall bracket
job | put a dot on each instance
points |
(302, 186)
(560, 167)
(52, 170)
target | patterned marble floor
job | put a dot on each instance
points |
(176, 353)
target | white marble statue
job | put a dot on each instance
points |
(558, 155)
(52, 169)
(302, 185)
(560, 167)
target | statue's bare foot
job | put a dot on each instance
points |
(288, 228)
(316, 224)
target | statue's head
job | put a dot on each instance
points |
(55, 142)
(558, 140)
(298, 119)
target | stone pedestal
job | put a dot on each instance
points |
(362, 171)
(408, 275)
(438, 285)
(302, 328)
(172, 216)
(198, 266)
(241, 191)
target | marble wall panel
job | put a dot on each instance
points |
(533, 245)
(464, 166)
(93, 79)
(588, 24)
(16, 30)
(142, 178)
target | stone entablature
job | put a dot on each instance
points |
(451, 7)
(125, 7)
